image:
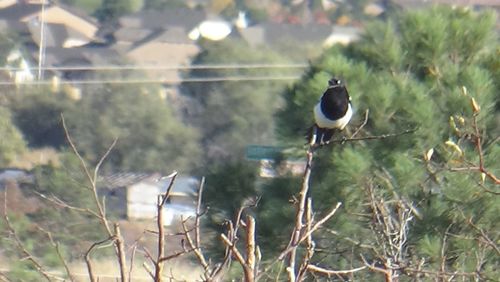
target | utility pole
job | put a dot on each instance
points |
(41, 49)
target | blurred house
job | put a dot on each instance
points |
(159, 39)
(273, 161)
(19, 176)
(412, 4)
(312, 33)
(27, 16)
(53, 33)
(134, 196)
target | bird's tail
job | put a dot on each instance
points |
(311, 135)
(316, 135)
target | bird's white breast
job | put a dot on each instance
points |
(324, 122)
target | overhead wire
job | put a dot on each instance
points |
(159, 68)
(151, 81)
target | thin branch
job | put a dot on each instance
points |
(291, 250)
(194, 246)
(120, 245)
(251, 247)
(104, 157)
(58, 252)
(92, 179)
(320, 222)
(148, 270)
(479, 148)
(329, 272)
(58, 202)
(217, 271)
(20, 245)
(199, 254)
(372, 137)
(386, 272)
(176, 255)
(483, 234)
(162, 199)
(310, 244)
(75, 151)
(132, 259)
(440, 273)
(365, 121)
(233, 249)
(90, 269)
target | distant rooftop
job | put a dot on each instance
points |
(421, 3)
(183, 17)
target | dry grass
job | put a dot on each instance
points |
(107, 270)
(32, 158)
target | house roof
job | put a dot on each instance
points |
(18, 11)
(272, 33)
(183, 185)
(19, 175)
(19, 27)
(152, 19)
(422, 3)
(55, 34)
(131, 34)
(77, 56)
(176, 35)
(124, 179)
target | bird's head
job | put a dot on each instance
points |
(334, 82)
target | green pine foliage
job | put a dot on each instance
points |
(150, 137)
(12, 142)
(233, 114)
(419, 71)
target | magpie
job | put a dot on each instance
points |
(333, 112)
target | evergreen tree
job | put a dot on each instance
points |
(12, 143)
(151, 138)
(234, 114)
(422, 70)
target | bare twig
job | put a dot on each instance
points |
(198, 252)
(440, 273)
(386, 272)
(132, 259)
(120, 245)
(176, 255)
(320, 222)
(148, 270)
(60, 203)
(100, 206)
(372, 137)
(58, 252)
(486, 239)
(20, 245)
(162, 199)
(90, 269)
(291, 250)
(479, 148)
(310, 244)
(390, 227)
(251, 247)
(195, 244)
(249, 263)
(91, 178)
(329, 272)
(365, 121)
(233, 249)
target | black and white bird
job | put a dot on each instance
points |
(333, 112)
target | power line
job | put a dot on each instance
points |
(151, 81)
(162, 67)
